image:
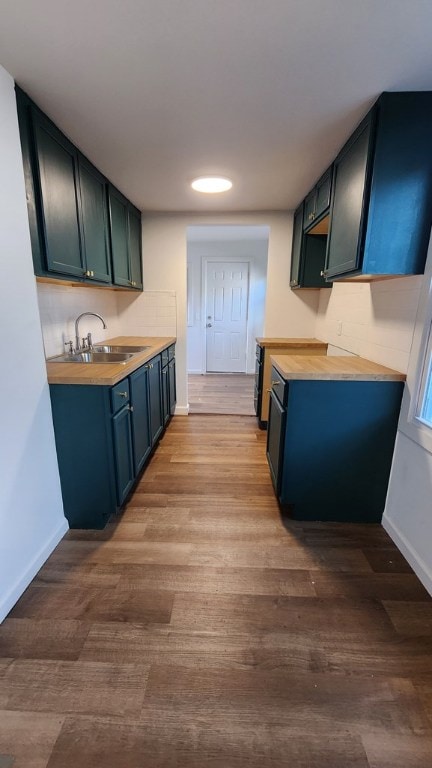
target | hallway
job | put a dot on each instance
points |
(200, 631)
(222, 393)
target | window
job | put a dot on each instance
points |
(424, 410)
(416, 411)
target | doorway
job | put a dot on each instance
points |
(226, 290)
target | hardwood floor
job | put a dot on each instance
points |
(202, 630)
(223, 393)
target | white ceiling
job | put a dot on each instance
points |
(156, 92)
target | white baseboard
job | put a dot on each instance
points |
(196, 373)
(7, 602)
(417, 563)
(181, 410)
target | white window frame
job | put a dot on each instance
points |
(410, 423)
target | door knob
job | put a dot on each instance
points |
(209, 325)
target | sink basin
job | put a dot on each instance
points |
(118, 348)
(93, 356)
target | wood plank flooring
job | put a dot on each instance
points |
(202, 630)
(222, 393)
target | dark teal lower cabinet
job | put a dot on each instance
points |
(124, 462)
(155, 398)
(172, 395)
(140, 417)
(165, 395)
(104, 437)
(330, 446)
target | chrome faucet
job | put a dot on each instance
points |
(78, 346)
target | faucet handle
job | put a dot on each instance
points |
(89, 340)
(70, 345)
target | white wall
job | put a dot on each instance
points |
(60, 305)
(287, 313)
(31, 509)
(408, 513)
(376, 320)
(254, 251)
(125, 314)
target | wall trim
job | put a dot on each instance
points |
(8, 602)
(182, 410)
(418, 565)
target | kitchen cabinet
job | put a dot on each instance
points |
(381, 204)
(308, 253)
(123, 456)
(71, 220)
(104, 437)
(265, 348)
(317, 202)
(155, 398)
(172, 386)
(330, 441)
(94, 217)
(125, 229)
(57, 174)
(141, 440)
(168, 383)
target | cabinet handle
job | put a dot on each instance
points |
(275, 383)
(130, 407)
(323, 273)
(122, 394)
(91, 273)
(87, 273)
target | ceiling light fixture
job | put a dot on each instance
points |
(211, 184)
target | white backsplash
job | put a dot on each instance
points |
(145, 314)
(151, 313)
(373, 320)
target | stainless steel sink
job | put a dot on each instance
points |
(93, 356)
(118, 348)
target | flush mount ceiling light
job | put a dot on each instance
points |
(211, 184)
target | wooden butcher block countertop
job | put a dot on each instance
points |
(323, 368)
(291, 343)
(108, 374)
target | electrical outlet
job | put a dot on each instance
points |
(339, 327)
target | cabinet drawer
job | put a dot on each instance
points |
(120, 395)
(279, 387)
(165, 357)
(259, 353)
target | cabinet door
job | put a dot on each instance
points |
(135, 258)
(118, 208)
(297, 247)
(275, 441)
(123, 453)
(94, 222)
(58, 186)
(172, 387)
(140, 417)
(345, 237)
(165, 395)
(323, 188)
(309, 212)
(155, 399)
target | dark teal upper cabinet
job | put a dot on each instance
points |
(56, 161)
(381, 207)
(135, 255)
(317, 202)
(307, 255)
(125, 226)
(296, 247)
(70, 220)
(94, 215)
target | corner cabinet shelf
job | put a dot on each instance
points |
(105, 436)
(381, 208)
(74, 238)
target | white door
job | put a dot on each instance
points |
(227, 288)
